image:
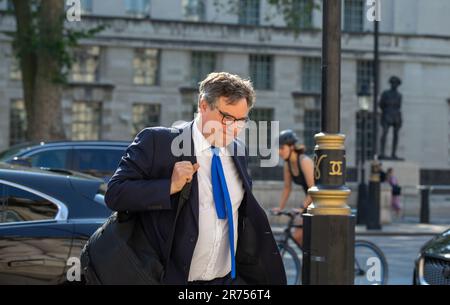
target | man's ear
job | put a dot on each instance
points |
(202, 105)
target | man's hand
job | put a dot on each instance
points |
(182, 173)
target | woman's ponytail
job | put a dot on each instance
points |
(299, 148)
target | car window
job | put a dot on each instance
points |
(3, 213)
(97, 162)
(55, 158)
(9, 153)
(20, 205)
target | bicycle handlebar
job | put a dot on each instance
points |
(291, 213)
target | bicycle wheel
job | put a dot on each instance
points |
(371, 267)
(292, 264)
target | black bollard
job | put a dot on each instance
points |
(425, 204)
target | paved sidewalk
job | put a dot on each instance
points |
(415, 229)
(404, 229)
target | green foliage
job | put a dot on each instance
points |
(292, 11)
(60, 49)
(70, 41)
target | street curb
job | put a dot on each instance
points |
(396, 233)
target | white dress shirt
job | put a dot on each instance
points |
(211, 258)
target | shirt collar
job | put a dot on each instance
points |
(200, 142)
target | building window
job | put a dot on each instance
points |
(86, 6)
(261, 67)
(312, 126)
(249, 12)
(364, 135)
(353, 15)
(189, 101)
(194, 10)
(17, 123)
(311, 74)
(86, 64)
(364, 75)
(257, 115)
(145, 115)
(137, 8)
(306, 9)
(146, 67)
(9, 5)
(14, 71)
(86, 120)
(202, 63)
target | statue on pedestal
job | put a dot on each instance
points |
(391, 116)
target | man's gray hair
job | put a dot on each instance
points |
(231, 86)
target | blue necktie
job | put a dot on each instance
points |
(222, 201)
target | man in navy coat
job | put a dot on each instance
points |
(222, 234)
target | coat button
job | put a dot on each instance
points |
(192, 239)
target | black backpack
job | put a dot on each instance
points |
(119, 253)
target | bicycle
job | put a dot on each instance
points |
(367, 255)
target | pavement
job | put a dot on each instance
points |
(400, 242)
(395, 229)
(416, 229)
(401, 252)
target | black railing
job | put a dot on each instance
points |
(425, 192)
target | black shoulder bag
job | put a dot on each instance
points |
(396, 190)
(119, 252)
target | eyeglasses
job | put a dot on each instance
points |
(228, 119)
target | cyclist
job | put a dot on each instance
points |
(298, 168)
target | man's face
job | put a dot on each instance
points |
(223, 123)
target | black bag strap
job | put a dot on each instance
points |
(184, 196)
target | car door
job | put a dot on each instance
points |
(35, 238)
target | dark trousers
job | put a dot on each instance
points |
(226, 280)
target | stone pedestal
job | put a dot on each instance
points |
(408, 175)
(385, 204)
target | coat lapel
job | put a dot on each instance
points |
(239, 162)
(193, 198)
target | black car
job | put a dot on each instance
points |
(97, 158)
(45, 219)
(433, 263)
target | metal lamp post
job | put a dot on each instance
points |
(373, 212)
(364, 104)
(329, 227)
